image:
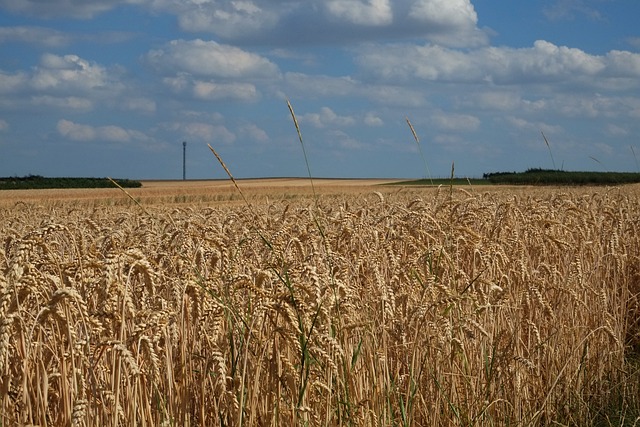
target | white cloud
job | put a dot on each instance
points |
(34, 35)
(12, 82)
(533, 128)
(623, 64)
(446, 13)
(456, 122)
(617, 131)
(211, 90)
(371, 119)
(447, 21)
(568, 9)
(497, 100)
(340, 139)
(361, 12)
(63, 8)
(603, 148)
(394, 95)
(68, 102)
(404, 62)
(114, 133)
(214, 91)
(326, 118)
(76, 131)
(321, 85)
(141, 104)
(544, 62)
(295, 22)
(69, 72)
(210, 59)
(209, 133)
(254, 133)
(203, 132)
(229, 19)
(86, 133)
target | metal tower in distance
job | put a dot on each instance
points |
(184, 160)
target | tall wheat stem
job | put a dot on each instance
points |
(549, 148)
(304, 151)
(424, 160)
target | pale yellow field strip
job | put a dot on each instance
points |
(164, 191)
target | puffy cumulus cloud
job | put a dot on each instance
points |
(254, 133)
(593, 106)
(140, 104)
(75, 131)
(568, 9)
(211, 90)
(207, 132)
(402, 63)
(394, 96)
(371, 119)
(68, 102)
(70, 72)
(193, 128)
(603, 148)
(617, 131)
(337, 138)
(295, 22)
(228, 19)
(85, 9)
(532, 127)
(361, 12)
(326, 118)
(34, 35)
(321, 86)
(445, 13)
(496, 100)
(12, 82)
(456, 122)
(86, 133)
(210, 59)
(623, 63)
(214, 91)
(542, 63)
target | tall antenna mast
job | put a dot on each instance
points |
(184, 160)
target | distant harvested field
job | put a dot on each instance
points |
(204, 191)
(191, 191)
(364, 305)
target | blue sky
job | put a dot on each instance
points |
(113, 87)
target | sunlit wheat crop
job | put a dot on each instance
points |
(387, 307)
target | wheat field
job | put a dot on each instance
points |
(379, 307)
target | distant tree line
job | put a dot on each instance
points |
(40, 182)
(538, 176)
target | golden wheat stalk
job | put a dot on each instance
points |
(549, 148)
(127, 193)
(233, 180)
(304, 150)
(417, 140)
